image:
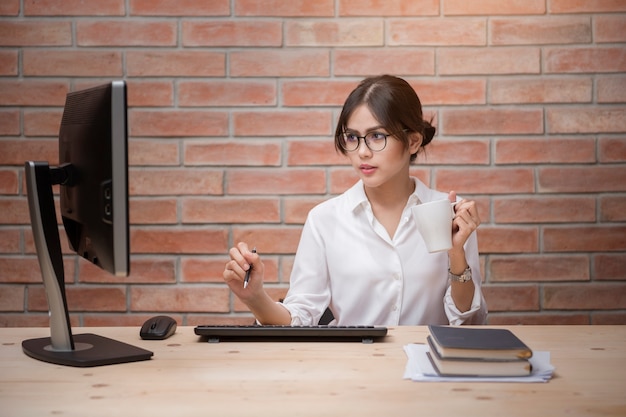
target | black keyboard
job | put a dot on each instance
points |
(320, 333)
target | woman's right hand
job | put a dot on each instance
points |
(241, 259)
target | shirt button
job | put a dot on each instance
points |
(396, 276)
(394, 308)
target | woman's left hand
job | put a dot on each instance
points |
(466, 220)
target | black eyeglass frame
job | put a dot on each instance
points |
(365, 140)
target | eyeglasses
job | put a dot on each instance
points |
(375, 141)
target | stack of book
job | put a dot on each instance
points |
(475, 351)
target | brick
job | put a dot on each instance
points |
(150, 93)
(74, 8)
(545, 150)
(82, 298)
(180, 299)
(548, 90)
(42, 122)
(175, 181)
(142, 271)
(511, 297)
(540, 30)
(72, 63)
(609, 266)
(485, 181)
(443, 151)
(544, 209)
(388, 8)
(584, 296)
(282, 123)
(359, 62)
(125, 33)
(491, 121)
(612, 209)
(582, 6)
(344, 33)
(203, 269)
(296, 209)
(542, 268)
(15, 210)
(23, 270)
(269, 240)
(281, 8)
(612, 150)
(15, 152)
(494, 7)
(508, 239)
(9, 122)
(315, 93)
(539, 318)
(10, 241)
(119, 320)
(609, 28)
(284, 63)
(155, 152)
(10, 8)
(194, 240)
(8, 63)
(584, 239)
(39, 33)
(420, 32)
(222, 153)
(33, 93)
(226, 93)
(153, 210)
(231, 33)
(314, 152)
(276, 181)
(608, 318)
(480, 61)
(12, 298)
(597, 59)
(592, 179)
(180, 8)
(230, 210)
(173, 63)
(443, 91)
(611, 89)
(157, 123)
(25, 320)
(597, 119)
(8, 181)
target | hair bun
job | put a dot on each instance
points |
(429, 133)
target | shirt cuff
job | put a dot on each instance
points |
(456, 317)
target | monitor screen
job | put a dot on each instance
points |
(92, 145)
(93, 179)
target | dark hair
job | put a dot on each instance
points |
(394, 104)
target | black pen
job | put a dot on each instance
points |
(247, 278)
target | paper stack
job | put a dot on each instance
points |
(487, 354)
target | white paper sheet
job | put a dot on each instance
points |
(419, 368)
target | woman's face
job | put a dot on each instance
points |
(377, 169)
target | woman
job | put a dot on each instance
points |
(360, 254)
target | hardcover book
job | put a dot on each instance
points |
(477, 343)
(477, 367)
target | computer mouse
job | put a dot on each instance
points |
(158, 328)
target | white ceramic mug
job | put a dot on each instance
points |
(434, 222)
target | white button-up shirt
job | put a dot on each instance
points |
(347, 261)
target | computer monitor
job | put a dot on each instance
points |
(93, 193)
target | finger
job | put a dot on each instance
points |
(236, 254)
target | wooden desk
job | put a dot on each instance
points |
(188, 378)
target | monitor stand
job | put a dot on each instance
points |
(82, 350)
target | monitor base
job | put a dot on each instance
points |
(89, 350)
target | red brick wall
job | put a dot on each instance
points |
(232, 109)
